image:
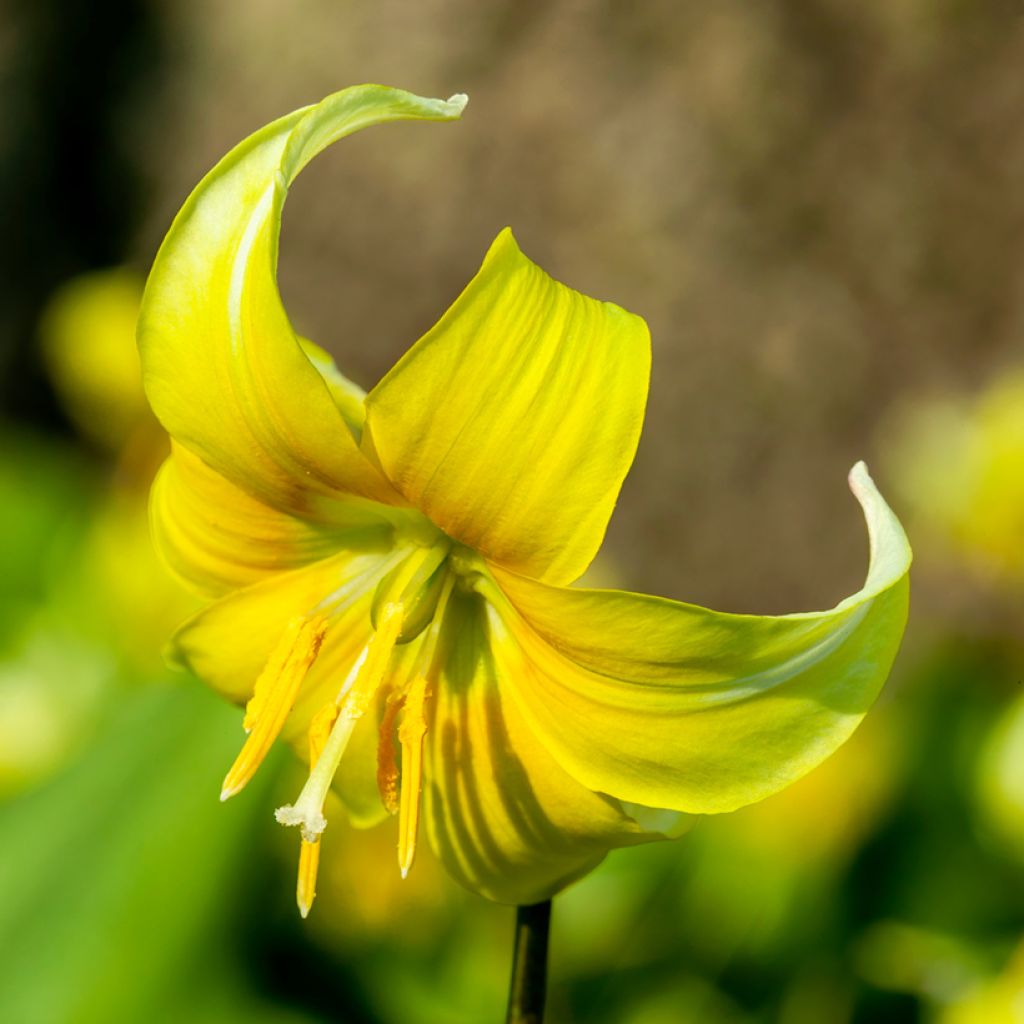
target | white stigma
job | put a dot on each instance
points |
(309, 819)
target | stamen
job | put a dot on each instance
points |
(271, 672)
(307, 811)
(410, 735)
(387, 767)
(319, 729)
(274, 695)
(309, 853)
(309, 865)
(412, 731)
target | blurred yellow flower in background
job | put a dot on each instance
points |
(107, 601)
(86, 333)
(391, 572)
(999, 1000)
(50, 684)
(959, 462)
(88, 336)
(87, 605)
(1000, 779)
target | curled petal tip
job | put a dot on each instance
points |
(858, 475)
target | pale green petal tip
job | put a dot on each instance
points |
(175, 652)
(455, 105)
(174, 657)
(863, 486)
(659, 821)
(890, 549)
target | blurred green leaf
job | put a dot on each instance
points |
(120, 877)
(45, 492)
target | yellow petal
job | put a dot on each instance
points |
(507, 821)
(215, 537)
(348, 397)
(223, 369)
(512, 422)
(672, 705)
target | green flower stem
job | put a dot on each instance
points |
(528, 984)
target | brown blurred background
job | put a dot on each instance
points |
(814, 205)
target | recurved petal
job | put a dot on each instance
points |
(514, 420)
(349, 397)
(223, 369)
(672, 705)
(228, 644)
(506, 820)
(216, 537)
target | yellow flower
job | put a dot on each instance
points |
(391, 571)
(960, 463)
(86, 333)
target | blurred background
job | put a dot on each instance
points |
(817, 208)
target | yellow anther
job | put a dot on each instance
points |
(272, 671)
(319, 729)
(410, 735)
(309, 853)
(387, 765)
(274, 695)
(309, 863)
(378, 653)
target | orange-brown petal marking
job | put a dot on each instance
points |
(387, 762)
(274, 695)
(410, 735)
(309, 852)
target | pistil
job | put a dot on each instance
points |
(359, 689)
(309, 852)
(410, 600)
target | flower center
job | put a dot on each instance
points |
(395, 671)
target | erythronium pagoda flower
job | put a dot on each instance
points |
(391, 572)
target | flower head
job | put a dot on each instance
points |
(390, 572)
